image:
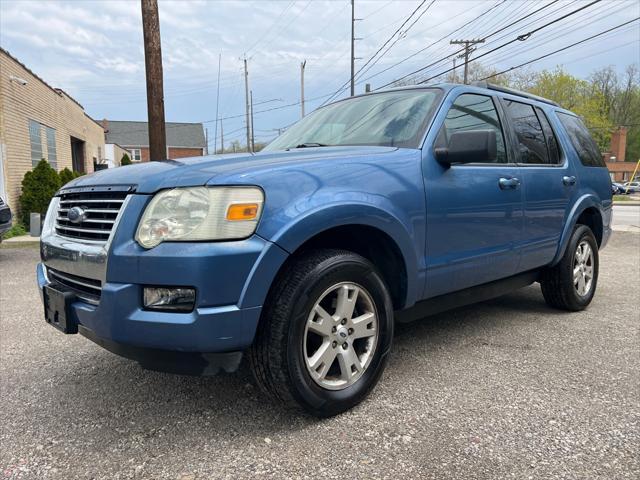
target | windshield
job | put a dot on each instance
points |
(393, 119)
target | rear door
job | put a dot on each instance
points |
(549, 182)
(474, 211)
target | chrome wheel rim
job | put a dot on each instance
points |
(340, 336)
(583, 269)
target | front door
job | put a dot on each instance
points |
(474, 211)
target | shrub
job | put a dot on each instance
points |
(66, 176)
(125, 160)
(38, 188)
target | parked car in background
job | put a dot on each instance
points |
(632, 187)
(5, 217)
(618, 188)
(379, 208)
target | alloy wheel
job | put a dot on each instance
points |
(583, 268)
(340, 336)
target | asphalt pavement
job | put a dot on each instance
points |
(626, 217)
(507, 389)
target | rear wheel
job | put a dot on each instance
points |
(571, 284)
(326, 330)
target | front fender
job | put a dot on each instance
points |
(311, 223)
(586, 201)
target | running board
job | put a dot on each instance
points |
(468, 296)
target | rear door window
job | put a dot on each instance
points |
(586, 148)
(552, 143)
(473, 112)
(532, 145)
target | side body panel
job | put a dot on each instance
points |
(474, 228)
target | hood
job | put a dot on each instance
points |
(149, 177)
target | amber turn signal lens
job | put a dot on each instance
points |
(242, 211)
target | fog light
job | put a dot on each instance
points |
(169, 298)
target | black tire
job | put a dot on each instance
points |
(277, 354)
(557, 282)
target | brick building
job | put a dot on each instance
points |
(39, 121)
(183, 139)
(619, 170)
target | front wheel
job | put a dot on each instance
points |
(327, 327)
(571, 284)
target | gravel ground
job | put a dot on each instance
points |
(505, 389)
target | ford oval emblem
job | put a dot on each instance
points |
(76, 215)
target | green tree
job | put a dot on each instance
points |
(38, 188)
(66, 176)
(580, 97)
(125, 160)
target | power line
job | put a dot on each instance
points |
(515, 22)
(563, 48)
(400, 37)
(519, 38)
(378, 51)
(435, 42)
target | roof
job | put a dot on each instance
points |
(136, 134)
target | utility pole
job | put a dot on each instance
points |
(246, 96)
(153, 68)
(302, 65)
(468, 48)
(353, 40)
(215, 136)
(253, 138)
(206, 142)
(221, 137)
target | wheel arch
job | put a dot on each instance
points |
(586, 211)
(368, 231)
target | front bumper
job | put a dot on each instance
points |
(231, 281)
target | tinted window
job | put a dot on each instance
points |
(473, 112)
(395, 119)
(531, 142)
(586, 148)
(550, 137)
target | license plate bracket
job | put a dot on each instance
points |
(57, 309)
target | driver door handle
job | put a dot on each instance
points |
(508, 183)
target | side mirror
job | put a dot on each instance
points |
(471, 146)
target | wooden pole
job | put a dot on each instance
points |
(153, 67)
(246, 97)
(302, 65)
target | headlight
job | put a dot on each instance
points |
(200, 213)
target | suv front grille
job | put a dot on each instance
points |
(86, 288)
(100, 210)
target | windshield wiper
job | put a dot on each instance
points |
(311, 144)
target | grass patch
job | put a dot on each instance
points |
(16, 231)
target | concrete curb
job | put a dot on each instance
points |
(21, 241)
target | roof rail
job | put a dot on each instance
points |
(513, 91)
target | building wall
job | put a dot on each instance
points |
(178, 152)
(172, 152)
(113, 154)
(53, 108)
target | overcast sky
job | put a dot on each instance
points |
(93, 49)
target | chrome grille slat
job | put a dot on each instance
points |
(85, 230)
(100, 213)
(100, 200)
(91, 220)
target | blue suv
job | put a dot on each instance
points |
(379, 208)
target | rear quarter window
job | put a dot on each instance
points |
(581, 140)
